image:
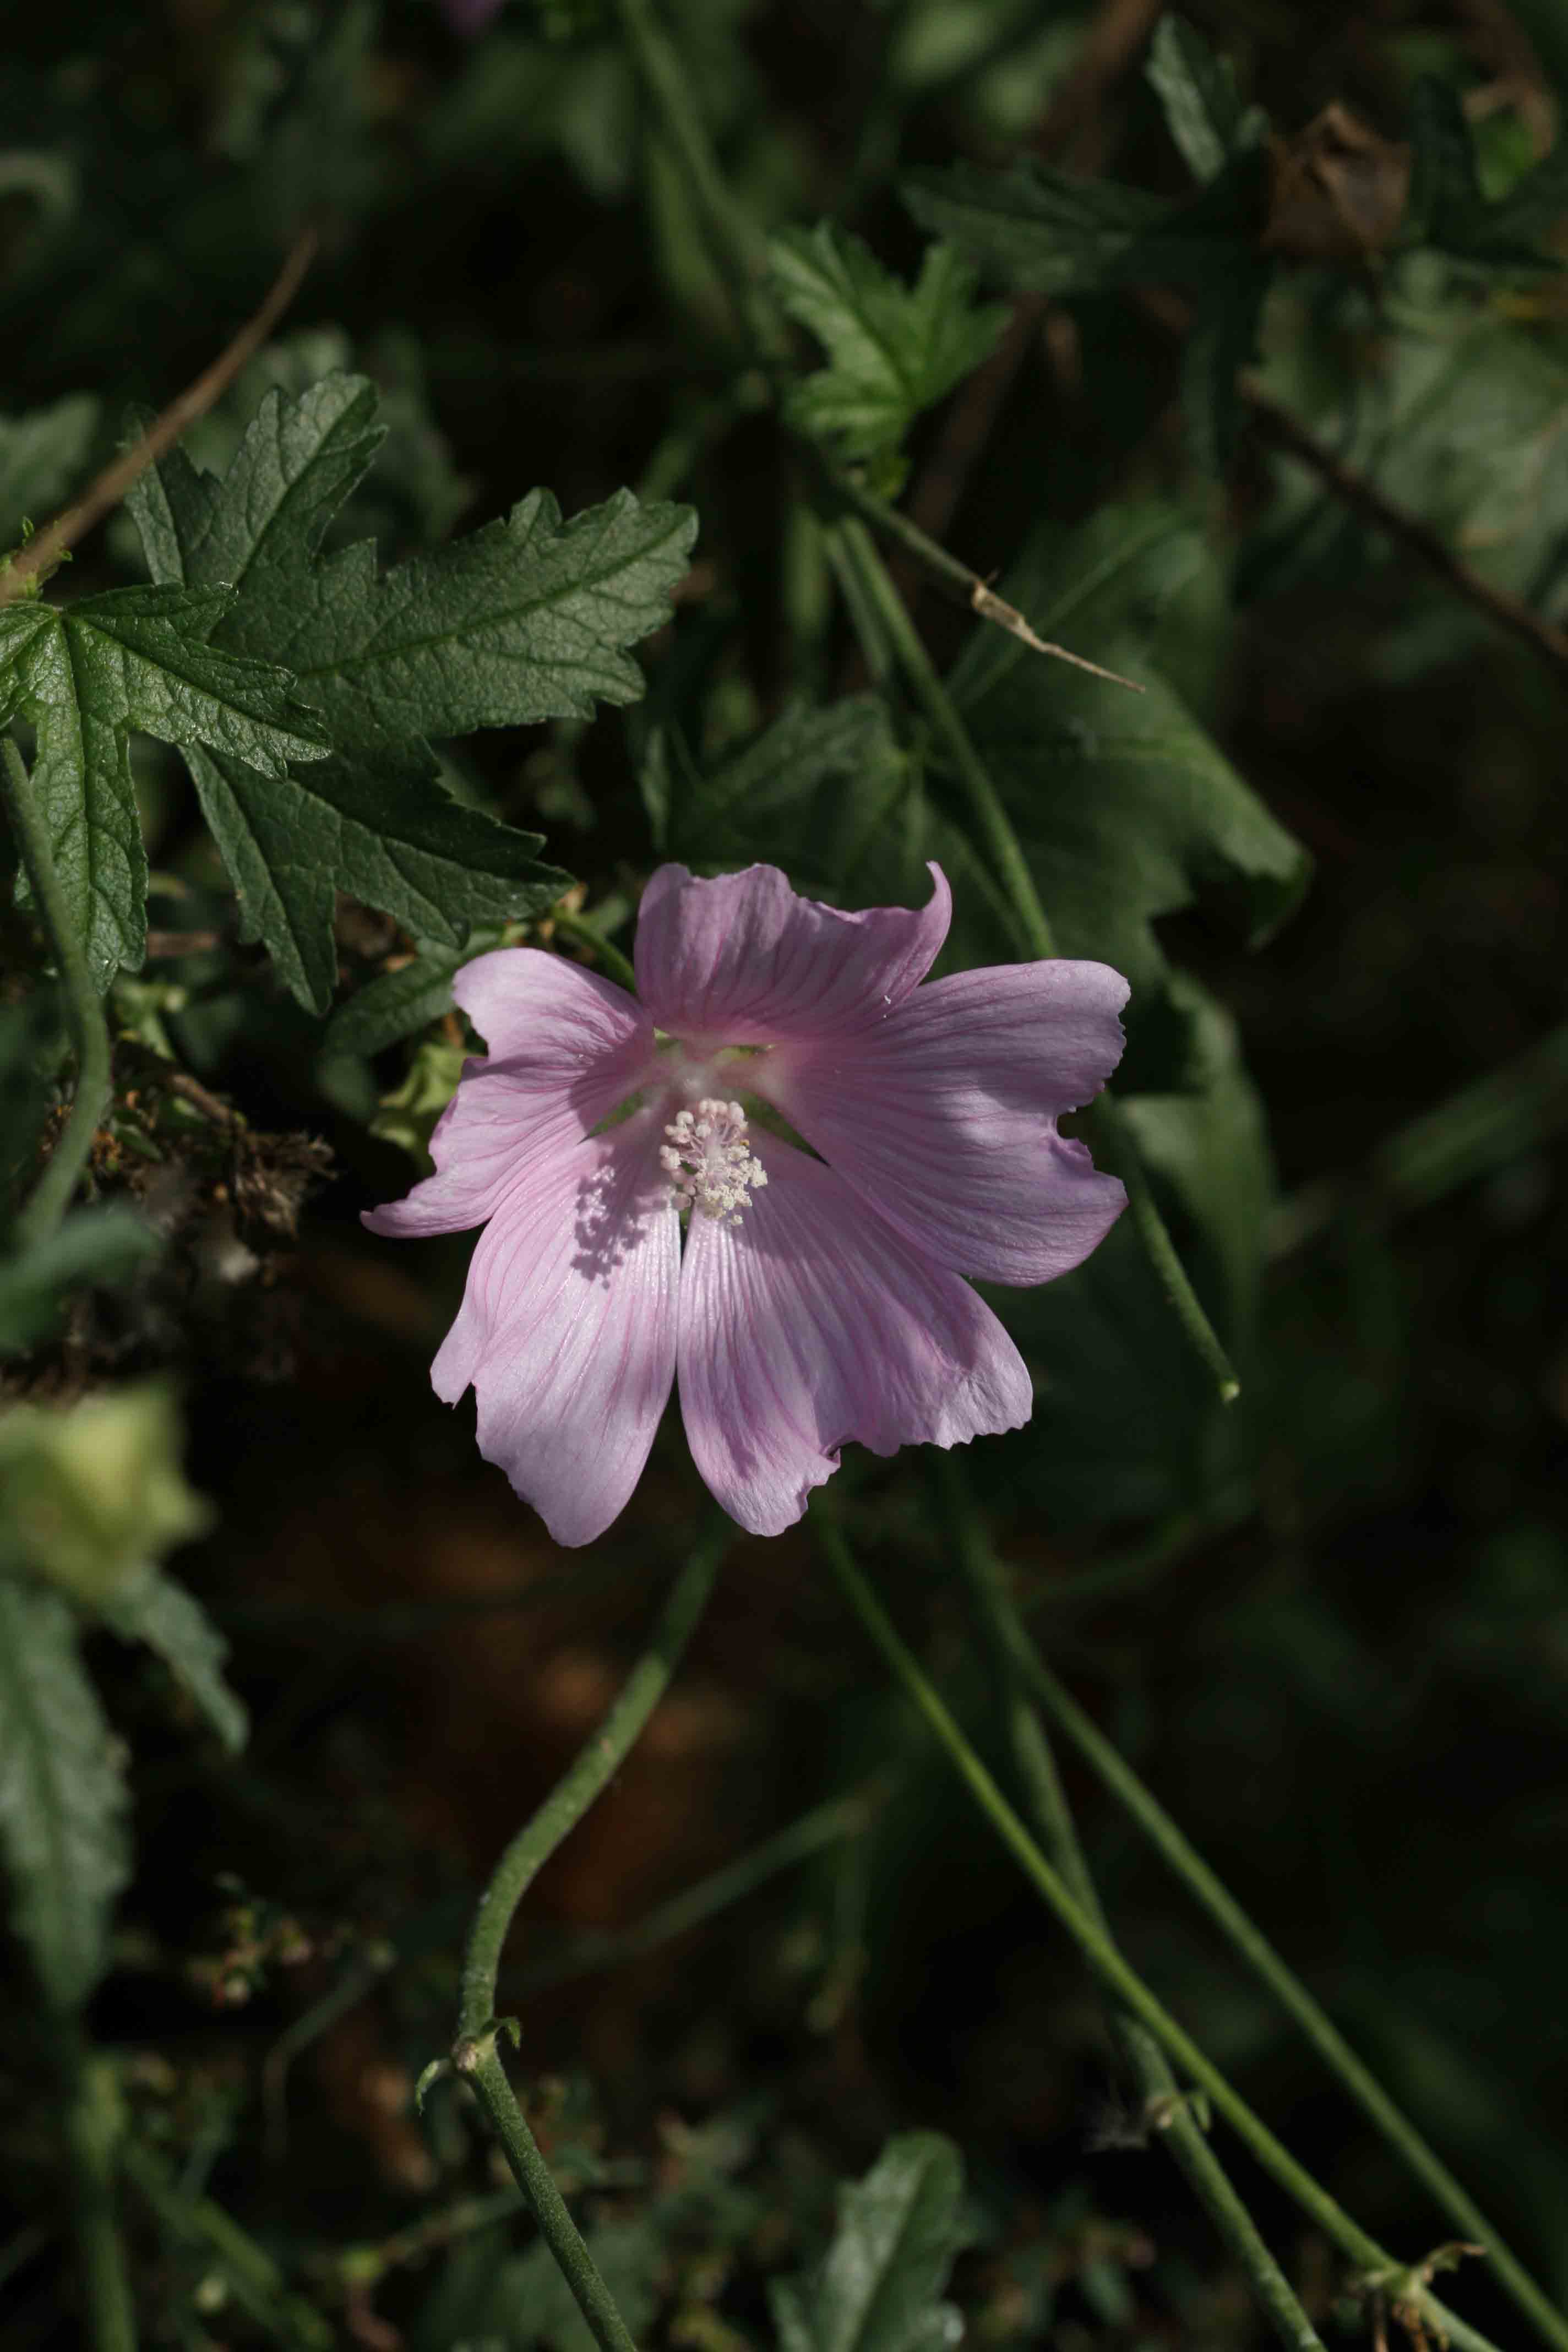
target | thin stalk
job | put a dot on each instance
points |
(1047, 1801)
(964, 585)
(90, 1031)
(484, 2071)
(1189, 1865)
(1115, 1145)
(474, 2054)
(595, 1766)
(878, 591)
(737, 251)
(254, 2280)
(617, 967)
(824, 1825)
(1377, 2270)
(92, 2135)
(995, 826)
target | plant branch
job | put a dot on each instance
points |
(254, 2280)
(1037, 1769)
(474, 2054)
(1293, 1996)
(90, 1031)
(962, 585)
(50, 546)
(1282, 431)
(93, 2127)
(824, 1825)
(738, 253)
(1375, 2265)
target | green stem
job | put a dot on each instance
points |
(481, 2066)
(1114, 1145)
(949, 571)
(824, 1825)
(877, 592)
(93, 2127)
(1293, 1995)
(474, 2054)
(995, 825)
(90, 1031)
(737, 252)
(252, 2277)
(617, 966)
(1041, 1781)
(1376, 2267)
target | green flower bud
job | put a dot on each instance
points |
(91, 1495)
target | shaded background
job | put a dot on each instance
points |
(1332, 1632)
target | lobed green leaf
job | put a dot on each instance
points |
(893, 350)
(529, 618)
(876, 2289)
(153, 1608)
(135, 659)
(63, 1795)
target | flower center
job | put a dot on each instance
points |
(709, 1160)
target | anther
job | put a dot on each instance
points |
(709, 1161)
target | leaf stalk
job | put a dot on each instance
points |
(1107, 1961)
(1035, 1766)
(475, 2054)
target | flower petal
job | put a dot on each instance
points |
(810, 1323)
(565, 1048)
(567, 1332)
(743, 961)
(945, 1115)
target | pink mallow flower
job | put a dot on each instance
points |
(815, 1301)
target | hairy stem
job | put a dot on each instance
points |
(481, 2065)
(1288, 1989)
(90, 1031)
(474, 2053)
(1047, 1802)
(1374, 2265)
(92, 2133)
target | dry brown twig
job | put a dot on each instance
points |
(49, 548)
(1276, 425)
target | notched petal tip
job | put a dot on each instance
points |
(745, 958)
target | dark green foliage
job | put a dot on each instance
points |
(137, 659)
(63, 1795)
(524, 620)
(1038, 230)
(42, 456)
(93, 1246)
(878, 2287)
(1197, 92)
(151, 1607)
(893, 350)
(397, 1004)
(1447, 207)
